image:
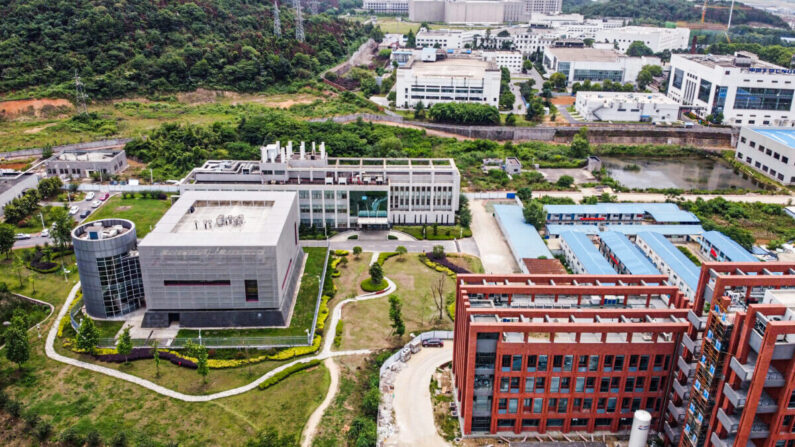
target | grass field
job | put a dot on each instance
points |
(49, 287)
(347, 402)
(108, 329)
(143, 212)
(443, 232)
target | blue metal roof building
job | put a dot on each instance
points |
(783, 136)
(523, 239)
(619, 212)
(720, 247)
(582, 256)
(555, 230)
(670, 261)
(624, 255)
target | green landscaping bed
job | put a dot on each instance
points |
(143, 212)
(108, 329)
(442, 232)
(368, 286)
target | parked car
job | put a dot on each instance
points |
(45, 233)
(74, 210)
(85, 214)
(20, 236)
(89, 196)
(432, 343)
(104, 197)
(95, 203)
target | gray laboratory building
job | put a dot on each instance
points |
(82, 163)
(109, 267)
(223, 259)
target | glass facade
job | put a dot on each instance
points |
(748, 98)
(122, 287)
(679, 76)
(598, 75)
(703, 90)
(719, 100)
(368, 203)
(564, 67)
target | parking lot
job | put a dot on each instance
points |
(37, 239)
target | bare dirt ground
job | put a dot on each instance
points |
(40, 128)
(562, 100)
(14, 108)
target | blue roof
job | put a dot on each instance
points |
(592, 261)
(523, 238)
(660, 212)
(783, 136)
(628, 254)
(627, 229)
(733, 251)
(674, 258)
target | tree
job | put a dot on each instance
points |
(357, 250)
(62, 227)
(464, 213)
(638, 49)
(411, 39)
(510, 120)
(588, 42)
(18, 266)
(438, 285)
(401, 250)
(6, 239)
(124, 345)
(565, 181)
(17, 346)
(438, 252)
(376, 274)
(644, 79)
(524, 193)
(87, 336)
(534, 213)
(156, 356)
(558, 80)
(396, 315)
(46, 151)
(580, 147)
(419, 111)
(199, 352)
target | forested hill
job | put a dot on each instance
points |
(659, 11)
(125, 46)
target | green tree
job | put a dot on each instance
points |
(17, 346)
(6, 239)
(376, 274)
(62, 230)
(401, 250)
(18, 266)
(534, 213)
(199, 352)
(524, 193)
(124, 345)
(357, 250)
(565, 181)
(156, 356)
(558, 80)
(438, 251)
(464, 213)
(580, 147)
(411, 39)
(419, 111)
(46, 151)
(87, 335)
(396, 315)
(638, 49)
(510, 120)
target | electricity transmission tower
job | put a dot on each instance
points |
(277, 23)
(313, 6)
(80, 95)
(299, 22)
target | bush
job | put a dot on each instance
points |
(368, 286)
(341, 252)
(283, 374)
(353, 237)
(322, 315)
(43, 431)
(338, 334)
(71, 437)
(464, 113)
(383, 256)
(391, 237)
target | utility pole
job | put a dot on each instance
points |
(80, 95)
(277, 23)
(299, 22)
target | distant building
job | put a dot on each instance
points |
(581, 64)
(667, 258)
(719, 247)
(82, 163)
(619, 213)
(13, 184)
(512, 60)
(657, 39)
(582, 256)
(624, 106)
(769, 151)
(512, 166)
(543, 6)
(397, 7)
(623, 255)
(454, 79)
(746, 90)
(468, 11)
(443, 38)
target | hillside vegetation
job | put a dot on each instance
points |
(141, 46)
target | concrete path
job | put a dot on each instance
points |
(414, 422)
(494, 251)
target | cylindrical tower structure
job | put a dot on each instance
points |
(110, 272)
(640, 429)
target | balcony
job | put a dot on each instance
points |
(678, 413)
(672, 433)
(688, 369)
(698, 322)
(759, 430)
(774, 378)
(782, 350)
(739, 398)
(682, 390)
(730, 423)
(693, 346)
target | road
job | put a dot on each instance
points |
(36, 238)
(494, 251)
(415, 426)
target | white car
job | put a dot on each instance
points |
(20, 236)
(89, 196)
(95, 203)
(74, 209)
(45, 233)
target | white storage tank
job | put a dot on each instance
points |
(641, 424)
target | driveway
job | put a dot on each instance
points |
(494, 251)
(412, 404)
(36, 239)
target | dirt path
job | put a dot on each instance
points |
(310, 429)
(435, 133)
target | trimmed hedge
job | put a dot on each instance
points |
(66, 320)
(383, 256)
(340, 252)
(287, 372)
(338, 334)
(443, 261)
(368, 286)
(322, 315)
(438, 267)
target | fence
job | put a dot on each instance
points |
(394, 358)
(90, 145)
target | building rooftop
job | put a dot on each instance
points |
(459, 67)
(584, 250)
(86, 155)
(225, 218)
(102, 229)
(640, 98)
(733, 251)
(626, 229)
(660, 212)
(522, 237)
(741, 60)
(544, 266)
(675, 259)
(585, 54)
(627, 254)
(9, 178)
(783, 136)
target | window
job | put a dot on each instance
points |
(542, 363)
(654, 384)
(608, 363)
(504, 385)
(252, 293)
(578, 422)
(505, 423)
(557, 363)
(704, 89)
(748, 98)
(640, 384)
(579, 385)
(532, 361)
(590, 384)
(538, 405)
(582, 364)
(678, 78)
(658, 361)
(619, 363)
(587, 404)
(563, 405)
(611, 405)
(568, 361)
(513, 406)
(593, 364)
(554, 385)
(565, 384)
(633, 363)
(516, 363)
(502, 406)
(530, 422)
(629, 385)
(515, 385)
(644, 363)
(540, 384)
(554, 422)
(604, 386)
(506, 363)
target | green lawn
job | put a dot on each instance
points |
(443, 232)
(303, 313)
(143, 212)
(108, 329)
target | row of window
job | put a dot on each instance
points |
(581, 384)
(578, 405)
(767, 151)
(555, 422)
(584, 363)
(765, 168)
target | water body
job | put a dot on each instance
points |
(679, 172)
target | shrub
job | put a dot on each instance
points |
(322, 315)
(93, 439)
(283, 374)
(286, 354)
(71, 437)
(391, 237)
(341, 252)
(43, 431)
(353, 237)
(368, 286)
(383, 256)
(13, 407)
(338, 334)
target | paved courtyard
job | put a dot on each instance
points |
(494, 251)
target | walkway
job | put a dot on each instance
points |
(413, 408)
(494, 251)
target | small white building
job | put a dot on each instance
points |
(444, 38)
(470, 12)
(623, 106)
(657, 39)
(453, 79)
(769, 151)
(581, 64)
(512, 60)
(746, 90)
(399, 7)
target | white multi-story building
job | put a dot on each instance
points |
(512, 60)
(746, 90)
(581, 64)
(400, 7)
(342, 192)
(623, 106)
(486, 12)
(658, 39)
(453, 79)
(769, 151)
(544, 6)
(541, 20)
(444, 38)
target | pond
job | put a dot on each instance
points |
(681, 172)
